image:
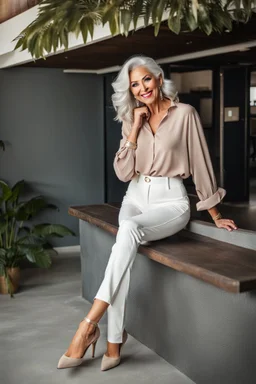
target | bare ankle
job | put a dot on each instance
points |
(86, 329)
(113, 349)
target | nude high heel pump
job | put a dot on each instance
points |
(112, 362)
(69, 362)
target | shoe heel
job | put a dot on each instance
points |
(93, 348)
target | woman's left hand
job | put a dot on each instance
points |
(226, 223)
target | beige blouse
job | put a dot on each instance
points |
(178, 148)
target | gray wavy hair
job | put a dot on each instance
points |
(123, 99)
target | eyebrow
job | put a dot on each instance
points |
(135, 81)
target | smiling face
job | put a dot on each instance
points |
(144, 86)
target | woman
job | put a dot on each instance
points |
(163, 143)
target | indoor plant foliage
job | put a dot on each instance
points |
(18, 239)
(57, 18)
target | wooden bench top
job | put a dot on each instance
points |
(226, 266)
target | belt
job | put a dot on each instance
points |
(159, 180)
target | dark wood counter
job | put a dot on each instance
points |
(226, 266)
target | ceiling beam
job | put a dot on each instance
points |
(173, 59)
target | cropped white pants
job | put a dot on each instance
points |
(152, 208)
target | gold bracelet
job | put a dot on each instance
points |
(217, 217)
(130, 145)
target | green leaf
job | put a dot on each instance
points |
(156, 29)
(19, 43)
(113, 26)
(47, 39)
(237, 3)
(64, 38)
(148, 12)
(9, 257)
(77, 31)
(55, 40)
(74, 18)
(40, 257)
(126, 18)
(157, 14)
(207, 28)
(194, 7)
(204, 22)
(31, 239)
(24, 229)
(56, 18)
(17, 189)
(225, 20)
(137, 11)
(111, 15)
(247, 4)
(58, 230)
(84, 30)
(32, 207)
(191, 21)
(3, 227)
(2, 252)
(90, 27)
(32, 43)
(108, 14)
(11, 252)
(5, 191)
(158, 10)
(174, 24)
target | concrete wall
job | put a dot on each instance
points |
(115, 189)
(52, 125)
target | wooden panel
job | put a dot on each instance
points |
(228, 267)
(11, 8)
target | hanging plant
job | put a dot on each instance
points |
(57, 18)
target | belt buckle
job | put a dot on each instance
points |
(147, 179)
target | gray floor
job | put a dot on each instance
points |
(38, 324)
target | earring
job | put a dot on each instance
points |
(137, 102)
(161, 93)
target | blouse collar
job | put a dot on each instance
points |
(173, 104)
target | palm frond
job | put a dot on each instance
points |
(57, 18)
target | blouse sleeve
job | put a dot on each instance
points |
(201, 166)
(124, 162)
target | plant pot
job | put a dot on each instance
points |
(14, 275)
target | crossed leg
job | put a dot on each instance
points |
(135, 227)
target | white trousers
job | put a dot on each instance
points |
(152, 208)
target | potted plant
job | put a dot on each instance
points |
(20, 240)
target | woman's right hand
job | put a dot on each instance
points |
(139, 114)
